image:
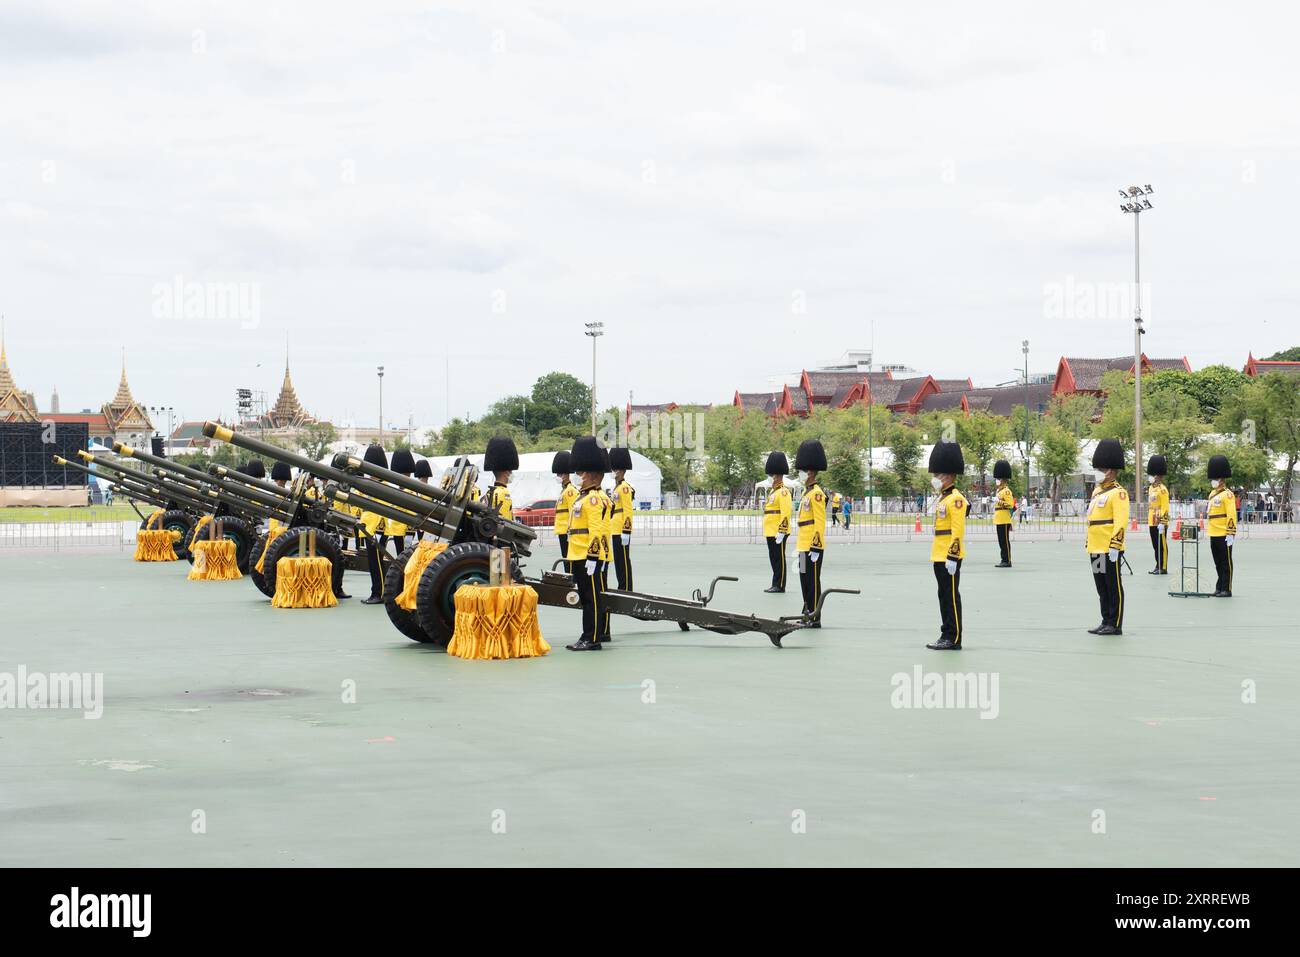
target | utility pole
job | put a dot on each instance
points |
(381, 405)
(595, 330)
(1135, 202)
(1024, 347)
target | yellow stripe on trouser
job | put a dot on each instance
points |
(782, 547)
(1229, 566)
(817, 588)
(1119, 584)
(1164, 548)
(955, 616)
(595, 610)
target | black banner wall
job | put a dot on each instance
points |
(27, 451)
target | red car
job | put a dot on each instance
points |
(539, 514)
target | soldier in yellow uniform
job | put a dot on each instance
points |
(403, 463)
(1107, 521)
(606, 546)
(810, 546)
(1221, 516)
(1158, 513)
(1003, 505)
(776, 519)
(624, 499)
(949, 545)
(446, 479)
(586, 536)
(281, 474)
(372, 526)
(502, 460)
(837, 500)
(562, 469)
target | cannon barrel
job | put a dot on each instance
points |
(129, 487)
(172, 491)
(428, 508)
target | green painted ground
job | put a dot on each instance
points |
(71, 513)
(1149, 729)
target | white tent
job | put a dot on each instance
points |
(533, 481)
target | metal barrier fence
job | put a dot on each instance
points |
(656, 529)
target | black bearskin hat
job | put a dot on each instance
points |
(423, 469)
(777, 464)
(1156, 465)
(587, 455)
(1002, 469)
(811, 456)
(256, 469)
(375, 455)
(620, 459)
(1219, 467)
(403, 461)
(562, 464)
(501, 455)
(280, 472)
(946, 459)
(1109, 455)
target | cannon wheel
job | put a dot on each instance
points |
(174, 520)
(294, 542)
(258, 578)
(435, 600)
(407, 622)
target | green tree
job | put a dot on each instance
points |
(315, 440)
(1209, 388)
(1251, 464)
(564, 397)
(735, 443)
(981, 436)
(1058, 459)
(1285, 355)
(1074, 413)
(845, 446)
(1026, 434)
(905, 448)
(1266, 412)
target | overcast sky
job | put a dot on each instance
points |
(737, 190)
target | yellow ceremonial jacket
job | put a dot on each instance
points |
(1006, 501)
(1158, 506)
(586, 525)
(836, 500)
(606, 527)
(776, 513)
(624, 505)
(1222, 513)
(949, 526)
(812, 519)
(498, 497)
(374, 524)
(1107, 518)
(562, 506)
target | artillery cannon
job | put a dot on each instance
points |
(471, 530)
(252, 502)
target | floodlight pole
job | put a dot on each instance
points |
(595, 330)
(1137, 204)
(1024, 347)
(381, 405)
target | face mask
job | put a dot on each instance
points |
(807, 478)
(1153, 480)
(1101, 476)
(937, 483)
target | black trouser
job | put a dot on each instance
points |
(776, 558)
(623, 564)
(591, 596)
(398, 540)
(602, 622)
(1110, 588)
(375, 563)
(1004, 541)
(1160, 544)
(1222, 553)
(835, 518)
(564, 549)
(949, 601)
(810, 578)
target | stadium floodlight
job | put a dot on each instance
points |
(1139, 205)
(595, 330)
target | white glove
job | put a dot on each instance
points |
(1114, 554)
(1231, 539)
(626, 539)
(951, 565)
(813, 556)
(780, 537)
(591, 566)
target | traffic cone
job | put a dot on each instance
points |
(1200, 523)
(1134, 527)
(918, 524)
(1178, 531)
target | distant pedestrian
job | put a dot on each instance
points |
(847, 509)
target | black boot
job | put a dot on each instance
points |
(944, 644)
(372, 600)
(583, 644)
(1093, 631)
(1108, 630)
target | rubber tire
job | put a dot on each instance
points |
(288, 545)
(407, 622)
(461, 564)
(175, 520)
(258, 578)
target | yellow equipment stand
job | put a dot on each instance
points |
(154, 544)
(304, 581)
(214, 557)
(499, 619)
